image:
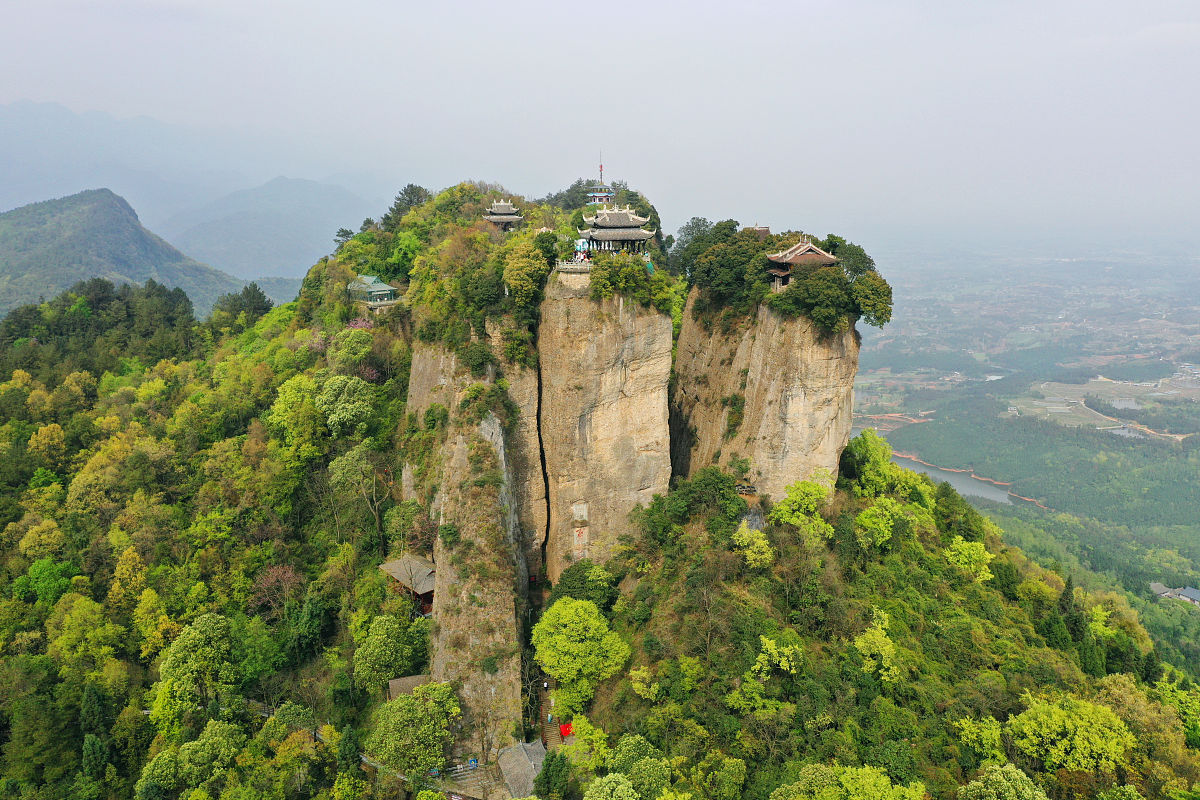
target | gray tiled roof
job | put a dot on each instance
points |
(413, 571)
(616, 218)
(502, 207)
(520, 764)
(400, 686)
(803, 252)
(1190, 593)
(616, 234)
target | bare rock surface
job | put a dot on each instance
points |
(796, 389)
(605, 368)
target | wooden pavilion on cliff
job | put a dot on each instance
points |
(616, 229)
(803, 253)
(503, 214)
(415, 575)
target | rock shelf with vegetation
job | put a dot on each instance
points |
(634, 480)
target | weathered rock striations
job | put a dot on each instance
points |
(605, 366)
(524, 456)
(592, 440)
(795, 387)
(480, 575)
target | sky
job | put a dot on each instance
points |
(902, 123)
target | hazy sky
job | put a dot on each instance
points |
(874, 119)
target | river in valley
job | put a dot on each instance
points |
(962, 482)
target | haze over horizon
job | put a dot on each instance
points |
(1073, 124)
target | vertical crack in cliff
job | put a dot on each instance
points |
(545, 532)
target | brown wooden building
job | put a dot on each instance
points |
(803, 253)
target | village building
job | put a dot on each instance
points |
(616, 229)
(803, 253)
(503, 214)
(415, 575)
(375, 293)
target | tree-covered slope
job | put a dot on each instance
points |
(46, 247)
(193, 515)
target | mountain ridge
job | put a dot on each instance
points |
(48, 246)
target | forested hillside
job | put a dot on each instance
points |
(46, 247)
(193, 516)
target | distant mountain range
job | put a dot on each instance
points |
(49, 246)
(189, 184)
(279, 228)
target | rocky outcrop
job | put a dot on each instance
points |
(476, 637)
(479, 555)
(605, 366)
(793, 388)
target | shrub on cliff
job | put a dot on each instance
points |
(627, 274)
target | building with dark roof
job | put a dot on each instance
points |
(520, 764)
(601, 194)
(403, 686)
(417, 575)
(503, 214)
(616, 229)
(803, 253)
(1190, 594)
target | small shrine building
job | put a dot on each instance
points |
(803, 253)
(503, 214)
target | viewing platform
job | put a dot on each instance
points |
(576, 267)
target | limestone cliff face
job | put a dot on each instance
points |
(523, 454)
(476, 636)
(605, 367)
(480, 576)
(795, 387)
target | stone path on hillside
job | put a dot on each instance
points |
(551, 735)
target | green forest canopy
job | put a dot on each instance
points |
(191, 539)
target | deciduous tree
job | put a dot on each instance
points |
(573, 643)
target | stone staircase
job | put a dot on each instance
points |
(551, 735)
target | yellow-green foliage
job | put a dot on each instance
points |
(971, 557)
(801, 508)
(837, 782)
(877, 650)
(983, 736)
(752, 545)
(1070, 733)
(573, 643)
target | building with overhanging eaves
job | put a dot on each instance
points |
(374, 292)
(802, 254)
(616, 229)
(503, 214)
(416, 575)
